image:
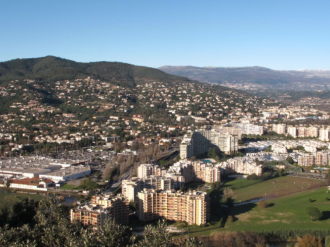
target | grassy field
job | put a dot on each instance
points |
(287, 210)
(251, 189)
(8, 198)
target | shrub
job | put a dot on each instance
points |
(262, 204)
(314, 213)
(327, 241)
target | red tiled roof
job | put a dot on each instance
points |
(25, 181)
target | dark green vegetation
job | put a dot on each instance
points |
(17, 209)
(46, 223)
(313, 212)
(268, 78)
(51, 69)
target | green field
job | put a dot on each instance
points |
(286, 210)
(8, 199)
(251, 189)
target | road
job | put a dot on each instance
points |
(116, 185)
(127, 174)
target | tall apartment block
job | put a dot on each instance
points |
(196, 171)
(101, 208)
(192, 207)
(186, 147)
(116, 204)
(89, 215)
(241, 165)
(324, 134)
(322, 158)
(293, 131)
(312, 132)
(279, 128)
(201, 140)
(248, 129)
(130, 188)
(306, 160)
(146, 170)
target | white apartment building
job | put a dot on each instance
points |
(240, 165)
(196, 171)
(324, 134)
(293, 131)
(279, 128)
(144, 170)
(201, 140)
(131, 187)
(249, 129)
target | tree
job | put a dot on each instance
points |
(156, 236)
(290, 160)
(282, 172)
(327, 178)
(314, 213)
(212, 153)
(229, 193)
(252, 177)
(308, 241)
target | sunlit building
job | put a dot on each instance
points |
(192, 207)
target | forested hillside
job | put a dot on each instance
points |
(51, 69)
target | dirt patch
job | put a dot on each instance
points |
(284, 214)
(270, 221)
(247, 216)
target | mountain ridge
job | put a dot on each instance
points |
(51, 69)
(256, 76)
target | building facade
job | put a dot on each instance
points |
(196, 171)
(101, 208)
(131, 187)
(192, 207)
(201, 140)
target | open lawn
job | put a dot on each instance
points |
(8, 199)
(251, 189)
(287, 210)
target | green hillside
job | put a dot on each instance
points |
(51, 69)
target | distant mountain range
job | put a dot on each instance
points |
(255, 78)
(51, 69)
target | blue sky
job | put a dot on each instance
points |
(278, 34)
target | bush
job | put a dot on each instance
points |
(309, 241)
(262, 204)
(314, 213)
(252, 177)
(327, 241)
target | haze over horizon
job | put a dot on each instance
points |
(290, 35)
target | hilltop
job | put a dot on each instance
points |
(52, 69)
